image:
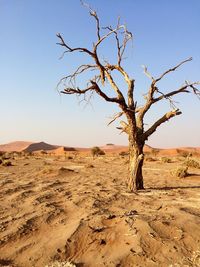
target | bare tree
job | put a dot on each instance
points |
(103, 75)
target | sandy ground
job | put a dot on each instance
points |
(79, 210)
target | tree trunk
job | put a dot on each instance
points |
(136, 158)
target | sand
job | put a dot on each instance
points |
(79, 210)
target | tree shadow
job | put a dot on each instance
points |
(193, 174)
(147, 189)
(173, 187)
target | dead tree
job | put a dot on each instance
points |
(103, 75)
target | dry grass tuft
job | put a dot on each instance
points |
(180, 172)
(150, 159)
(6, 163)
(166, 160)
(192, 163)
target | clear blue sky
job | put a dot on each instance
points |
(165, 32)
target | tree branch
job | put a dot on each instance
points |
(172, 69)
(93, 87)
(127, 36)
(153, 89)
(79, 70)
(130, 82)
(78, 91)
(182, 89)
(147, 73)
(124, 128)
(162, 120)
(93, 13)
(116, 116)
(69, 49)
(115, 87)
(103, 95)
(104, 70)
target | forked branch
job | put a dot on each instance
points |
(162, 120)
(150, 96)
(183, 89)
(115, 117)
(172, 69)
(70, 49)
(94, 87)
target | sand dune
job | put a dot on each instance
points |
(109, 148)
(34, 147)
(15, 146)
(61, 150)
(179, 150)
(39, 146)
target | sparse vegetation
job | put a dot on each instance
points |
(183, 153)
(96, 151)
(154, 152)
(75, 154)
(150, 159)
(180, 172)
(166, 160)
(6, 163)
(123, 153)
(6, 156)
(192, 163)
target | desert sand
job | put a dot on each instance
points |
(75, 208)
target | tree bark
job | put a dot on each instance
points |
(136, 158)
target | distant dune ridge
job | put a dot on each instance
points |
(20, 146)
(15, 146)
(25, 146)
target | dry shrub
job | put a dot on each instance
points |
(166, 160)
(6, 163)
(180, 172)
(88, 166)
(124, 153)
(183, 153)
(192, 163)
(6, 156)
(179, 159)
(96, 151)
(150, 159)
(154, 152)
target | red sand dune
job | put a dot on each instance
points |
(33, 147)
(39, 146)
(61, 150)
(108, 148)
(15, 146)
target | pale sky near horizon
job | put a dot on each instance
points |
(165, 33)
